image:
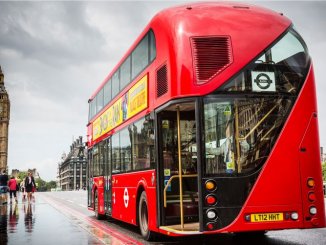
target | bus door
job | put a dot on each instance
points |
(107, 177)
(178, 167)
(90, 178)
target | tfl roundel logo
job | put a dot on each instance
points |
(263, 81)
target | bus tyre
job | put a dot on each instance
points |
(97, 215)
(143, 217)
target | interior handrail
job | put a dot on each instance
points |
(170, 180)
(260, 122)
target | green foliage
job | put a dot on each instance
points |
(50, 185)
(324, 171)
(21, 175)
(40, 184)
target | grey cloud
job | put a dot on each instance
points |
(57, 33)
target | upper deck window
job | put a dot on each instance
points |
(140, 58)
(115, 83)
(99, 101)
(125, 73)
(107, 92)
(281, 68)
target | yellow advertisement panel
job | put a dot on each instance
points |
(137, 97)
(111, 118)
(132, 102)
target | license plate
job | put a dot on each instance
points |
(266, 217)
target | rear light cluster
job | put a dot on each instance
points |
(211, 200)
(294, 216)
(312, 199)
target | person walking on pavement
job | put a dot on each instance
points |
(3, 187)
(29, 185)
(12, 184)
(23, 189)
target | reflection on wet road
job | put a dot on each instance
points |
(39, 223)
(13, 218)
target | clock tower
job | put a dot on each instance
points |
(4, 123)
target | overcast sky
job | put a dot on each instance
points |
(55, 54)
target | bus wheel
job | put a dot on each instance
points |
(97, 215)
(143, 217)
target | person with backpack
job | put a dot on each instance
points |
(12, 184)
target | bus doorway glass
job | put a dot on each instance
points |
(90, 179)
(107, 177)
(178, 167)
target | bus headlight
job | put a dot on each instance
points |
(313, 210)
(211, 214)
(294, 216)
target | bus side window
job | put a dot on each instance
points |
(116, 164)
(142, 144)
(125, 150)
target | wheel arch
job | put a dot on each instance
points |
(140, 189)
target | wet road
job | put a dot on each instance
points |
(63, 218)
(39, 223)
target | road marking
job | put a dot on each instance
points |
(107, 235)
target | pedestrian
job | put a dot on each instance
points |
(12, 184)
(29, 185)
(3, 187)
(33, 189)
(23, 189)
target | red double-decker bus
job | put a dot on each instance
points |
(208, 124)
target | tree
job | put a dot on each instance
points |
(45, 186)
(21, 176)
(324, 171)
(40, 184)
(50, 185)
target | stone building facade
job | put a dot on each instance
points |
(73, 167)
(4, 123)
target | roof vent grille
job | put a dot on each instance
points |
(211, 56)
(161, 81)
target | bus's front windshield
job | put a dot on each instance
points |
(244, 118)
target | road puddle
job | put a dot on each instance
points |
(10, 216)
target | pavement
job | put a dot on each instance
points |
(38, 222)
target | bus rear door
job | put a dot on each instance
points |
(178, 167)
